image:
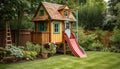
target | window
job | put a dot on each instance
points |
(67, 25)
(41, 27)
(66, 13)
(41, 12)
(56, 28)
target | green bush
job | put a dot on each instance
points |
(52, 49)
(30, 55)
(91, 41)
(31, 50)
(14, 51)
(2, 53)
(115, 40)
(87, 41)
(96, 46)
(32, 47)
(29, 46)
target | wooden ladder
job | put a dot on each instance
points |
(8, 34)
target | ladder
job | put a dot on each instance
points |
(8, 34)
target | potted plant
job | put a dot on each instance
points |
(45, 53)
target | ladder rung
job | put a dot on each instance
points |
(8, 40)
(9, 36)
(8, 44)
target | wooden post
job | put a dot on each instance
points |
(77, 24)
(64, 48)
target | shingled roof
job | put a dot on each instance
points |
(53, 12)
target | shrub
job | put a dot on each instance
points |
(86, 42)
(2, 53)
(52, 49)
(30, 55)
(29, 46)
(115, 40)
(14, 51)
(31, 50)
(32, 47)
(91, 41)
(96, 46)
(37, 48)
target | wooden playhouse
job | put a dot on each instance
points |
(53, 23)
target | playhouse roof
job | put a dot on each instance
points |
(53, 12)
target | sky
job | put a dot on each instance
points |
(106, 0)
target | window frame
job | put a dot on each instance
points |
(56, 28)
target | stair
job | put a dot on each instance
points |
(8, 34)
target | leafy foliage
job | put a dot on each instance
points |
(2, 53)
(32, 47)
(115, 40)
(52, 49)
(91, 40)
(114, 9)
(91, 14)
(14, 51)
(30, 55)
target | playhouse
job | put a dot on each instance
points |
(53, 23)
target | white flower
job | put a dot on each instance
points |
(49, 43)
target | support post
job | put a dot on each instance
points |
(77, 24)
(64, 48)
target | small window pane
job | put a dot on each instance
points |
(41, 12)
(56, 28)
(66, 13)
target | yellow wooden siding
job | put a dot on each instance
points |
(56, 37)
(38, 12)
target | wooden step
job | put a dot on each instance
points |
(8, 40)
(8, 44)
(8, 36)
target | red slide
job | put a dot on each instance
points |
(74, 46)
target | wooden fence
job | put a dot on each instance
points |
(25, 35)
(35, 37)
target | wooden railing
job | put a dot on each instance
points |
(40, 37)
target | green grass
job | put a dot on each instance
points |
(95, 60)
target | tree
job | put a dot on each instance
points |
(7, 11)
(114, 10)
(91, 14)
(13, 10)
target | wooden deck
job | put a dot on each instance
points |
(39, 38)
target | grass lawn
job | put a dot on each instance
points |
(95, 60)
